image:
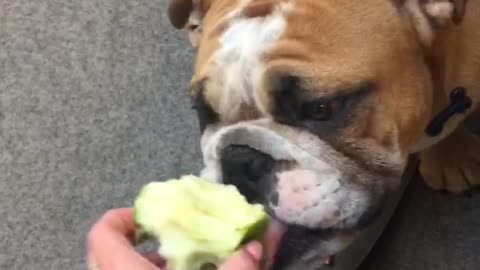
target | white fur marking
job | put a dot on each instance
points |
(239, 58)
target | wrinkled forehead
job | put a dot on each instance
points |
(331, 29)
(328, 44)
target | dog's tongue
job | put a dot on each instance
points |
(272, 241)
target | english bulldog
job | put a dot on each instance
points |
(313, 107)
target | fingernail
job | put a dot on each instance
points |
(255, 249)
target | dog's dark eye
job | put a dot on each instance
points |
(322, 110)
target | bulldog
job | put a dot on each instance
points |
(313, 107)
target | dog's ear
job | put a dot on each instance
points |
(188, 14)
(179, 12)
(429, 16)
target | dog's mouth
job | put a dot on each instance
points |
(273, 242)
(287, 244)
(297, 241)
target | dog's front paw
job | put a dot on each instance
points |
(453, 164)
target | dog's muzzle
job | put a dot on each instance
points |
(302, 180)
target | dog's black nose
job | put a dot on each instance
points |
(250, 170)
(246, 161)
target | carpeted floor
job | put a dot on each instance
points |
(93, 104)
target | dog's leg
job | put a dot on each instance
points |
(454, 163)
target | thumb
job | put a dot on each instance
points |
(248, 258)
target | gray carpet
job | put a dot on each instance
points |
(93, 104)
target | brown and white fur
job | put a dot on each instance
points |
(312, 107)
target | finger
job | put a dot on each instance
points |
(255, 250)
(248, 258)
(120, 220)
(109, 243)
(153, 257)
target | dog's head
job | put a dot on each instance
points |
(312, 106)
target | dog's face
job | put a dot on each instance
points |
(310, 107)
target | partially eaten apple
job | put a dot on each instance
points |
(197, 222)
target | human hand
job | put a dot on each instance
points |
(109, 244)
(109, 247)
